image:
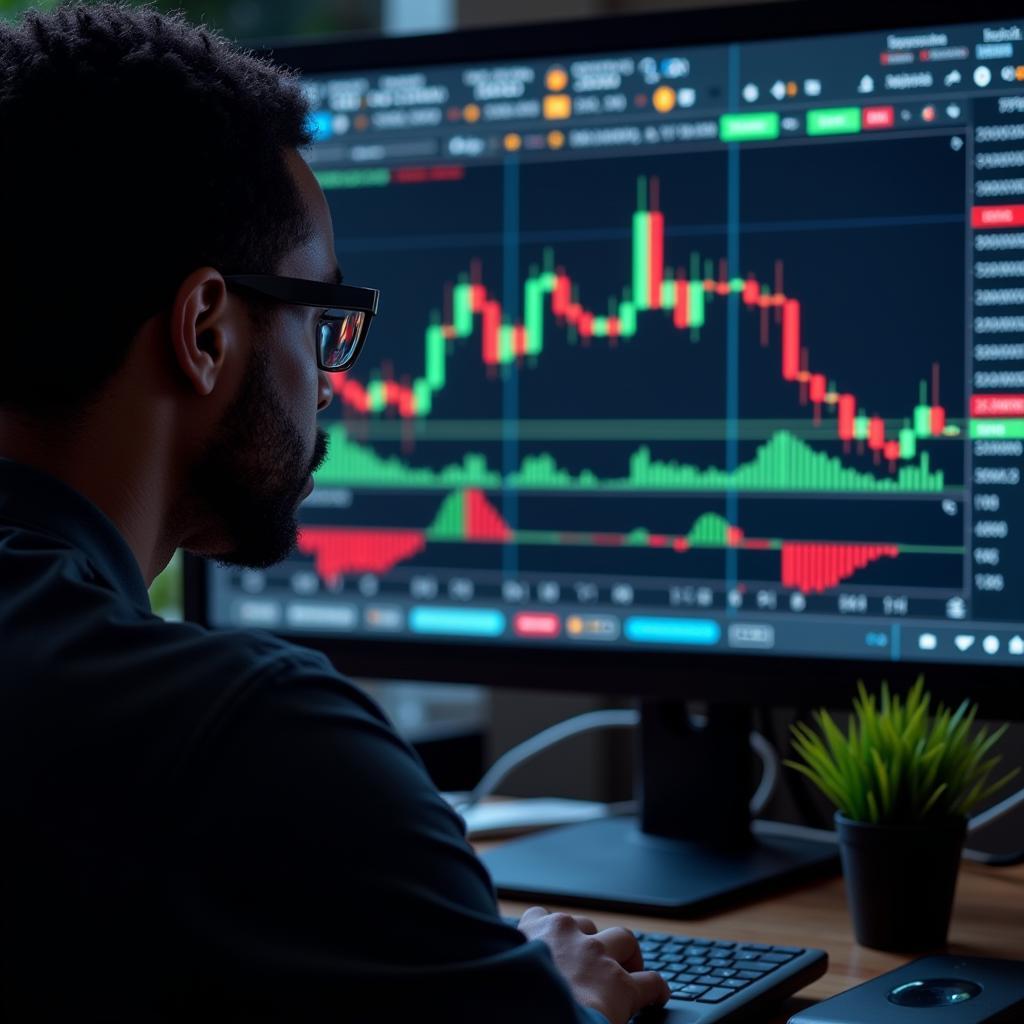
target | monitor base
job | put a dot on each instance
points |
(613, 865)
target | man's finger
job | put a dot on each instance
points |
(650, 989)
(531, 914)
(622, 946)
(586, 926)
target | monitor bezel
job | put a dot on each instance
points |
(725, 677)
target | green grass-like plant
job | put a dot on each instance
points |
(897, 765)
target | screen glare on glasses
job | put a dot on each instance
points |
(338, 335)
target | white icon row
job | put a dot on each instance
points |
(779, 90)
(963, 642)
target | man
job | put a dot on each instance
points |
(195, 823)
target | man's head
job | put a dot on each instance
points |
(144, 160)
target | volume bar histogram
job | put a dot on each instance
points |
(468, 517)
(783, 463)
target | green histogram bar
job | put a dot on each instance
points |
(783, 463)
(449, 523)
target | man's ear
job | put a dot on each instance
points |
(203, 331)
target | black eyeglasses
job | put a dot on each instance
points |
(341, 328)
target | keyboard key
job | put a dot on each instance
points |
(764, 966)
(707, 942)
(654, 965)
(720, 944)
(724, 972)
(734, 983)
(718, 962)
(690, 991)
(759, 947)
(749, 975)
(795, 950)
(778, 958)
(715, 995)
(745, 954)
(699, 969)
(685, 979)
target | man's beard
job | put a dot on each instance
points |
(254, 472)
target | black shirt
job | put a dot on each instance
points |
(202, 822)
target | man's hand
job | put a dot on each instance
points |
(604, 969)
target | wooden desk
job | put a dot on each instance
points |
(988, 920)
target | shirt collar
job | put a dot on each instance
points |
(32, 498)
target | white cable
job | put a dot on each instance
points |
(769, 774)
(975, 824)
(997, 811)
(787, 830)
(625, 718)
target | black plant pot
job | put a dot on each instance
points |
(900, 881)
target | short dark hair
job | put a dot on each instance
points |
(136, 148)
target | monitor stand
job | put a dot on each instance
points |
(690, 850)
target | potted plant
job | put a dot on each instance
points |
(903, 783)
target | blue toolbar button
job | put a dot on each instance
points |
(702, 632)
(457, 621)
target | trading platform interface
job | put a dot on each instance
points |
(713, 348)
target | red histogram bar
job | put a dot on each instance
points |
(997, 405)
(1011, 216)
(481, 519)
(340, 550)
(812, 568)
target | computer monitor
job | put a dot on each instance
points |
(698, 373)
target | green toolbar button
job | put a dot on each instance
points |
(748, 127)
(833, 121)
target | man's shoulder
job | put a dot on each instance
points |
(95, 668)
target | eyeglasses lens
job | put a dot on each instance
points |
(340, 332)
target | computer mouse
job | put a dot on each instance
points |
(932, 990)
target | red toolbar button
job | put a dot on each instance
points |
(877, 117)
(537, 624)
(997, 216)
(1000, 406)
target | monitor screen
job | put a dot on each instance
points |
(709, 348)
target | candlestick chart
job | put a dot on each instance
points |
(615, 369)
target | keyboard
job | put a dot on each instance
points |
(719, 980)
